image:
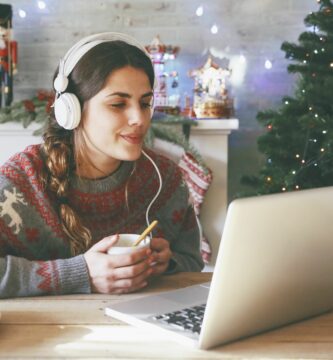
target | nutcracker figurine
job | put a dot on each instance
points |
(8, 55)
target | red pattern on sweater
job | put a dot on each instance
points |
(14, 243)
(45, 271)
(32, 234)
(178, 216)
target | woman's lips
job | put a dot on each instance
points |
(133, 138)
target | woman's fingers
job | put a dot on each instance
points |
(161, 254)
(132, 282)
(161, 250)
(130, 272)
(129, 259)
(105, 244)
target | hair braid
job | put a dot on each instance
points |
(59, 164)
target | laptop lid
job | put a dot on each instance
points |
(275, 265)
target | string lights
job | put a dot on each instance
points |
(214, 29)
(199, 11)
(40, 4)
(268, 64)
(22, 13)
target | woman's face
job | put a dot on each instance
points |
(117, 118)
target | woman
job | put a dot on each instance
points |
(62, 203)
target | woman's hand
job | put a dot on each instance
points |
(117, 274)
(161, 255)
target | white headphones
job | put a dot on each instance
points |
(67, 109)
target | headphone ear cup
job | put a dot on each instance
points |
(67, 111)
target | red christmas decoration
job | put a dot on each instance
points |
(8, 55)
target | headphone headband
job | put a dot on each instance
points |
(79, 49)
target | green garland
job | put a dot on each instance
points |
(26, 112)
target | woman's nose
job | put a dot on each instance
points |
(137, 117)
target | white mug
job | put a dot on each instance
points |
(124, 245)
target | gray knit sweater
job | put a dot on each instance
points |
(35, 257)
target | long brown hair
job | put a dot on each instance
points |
(62, 149)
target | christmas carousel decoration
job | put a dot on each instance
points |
(166, 80)
(8, 55)
(211, 98)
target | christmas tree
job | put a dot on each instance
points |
(298, 141)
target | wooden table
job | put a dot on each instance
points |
(75, 326)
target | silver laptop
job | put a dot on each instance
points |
(274, 267)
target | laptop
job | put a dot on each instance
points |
(274, 267)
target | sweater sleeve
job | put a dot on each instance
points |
(34, 258)
(182, 230)
(21, 277)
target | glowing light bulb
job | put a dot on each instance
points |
(297, 155)
(269, 178)
(310, 108)
(304, 61)
(268, 64)
(322, 149)
(303, 161)
(41, 5)
(315, 164)
(199, 11)
(324, 131)
(331, 64)
(293, 172)
(296, 187)
(303, 91)
(316, 115)
(315, 51)
(242, 59)
(283, 189)
(22, 13)
(286, 102)
(214, 29)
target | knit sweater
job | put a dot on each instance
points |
(35, 256)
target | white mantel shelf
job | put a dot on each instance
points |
(210, 137)
(13, 128)
(215, 126)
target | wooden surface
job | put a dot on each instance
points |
(74, 326)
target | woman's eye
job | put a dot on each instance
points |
(146, 105)
(118, 105)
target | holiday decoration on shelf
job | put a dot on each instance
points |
(35, 110)
(298, 142)
(211, 99)
(160, 54)
(8, 55)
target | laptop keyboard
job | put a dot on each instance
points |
(188, 319)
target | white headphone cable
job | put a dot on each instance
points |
(159, 189)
